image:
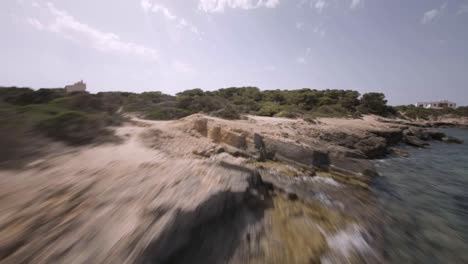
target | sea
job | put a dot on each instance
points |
(423, 200)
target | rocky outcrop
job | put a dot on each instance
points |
(260, 147)
(201, 126)
(415, 142)
(354, 171)
(398, 152)
(392, 135)
(450, 139)
(371, 145)
(436, 134)
(290, 152)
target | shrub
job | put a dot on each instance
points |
(73, 127)
(229, 112)
(166, 113)
(269, 109)
(373, 103)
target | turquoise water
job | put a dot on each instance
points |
(424, 204)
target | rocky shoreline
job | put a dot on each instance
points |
(208, 190)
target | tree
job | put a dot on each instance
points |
(373, 103)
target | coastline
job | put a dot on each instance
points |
(303, 182)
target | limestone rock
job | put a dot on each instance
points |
(415, 142)
(355, 171)
(436, 134)
(450, 139)
(201, 126)
(399, 152)
(392, 135)
(290, 152)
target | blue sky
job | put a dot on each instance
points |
(412, 50)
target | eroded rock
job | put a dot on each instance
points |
(450, 139)
(290, 152)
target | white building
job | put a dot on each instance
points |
(437, 104)
(77, 87)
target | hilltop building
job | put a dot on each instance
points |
(77, 87)
(443, 104)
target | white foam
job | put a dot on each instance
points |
(327, 180)
(348, 240)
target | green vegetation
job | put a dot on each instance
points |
(75, 118)
(413, 112)
(230, 102)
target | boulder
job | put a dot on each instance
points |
(371, 145)
(415, 142)
(392, 135)
(234, 139)
(215, 134)
(417, 132)
(399, 152)
(450, 139)
(436, 134)
(290, 152)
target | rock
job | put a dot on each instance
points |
(234, 139)
(435, 134)
(418, 132)
(415, 142)
(371, 145)
(338, 151)
(260, 147)
(399, 152)
(450, 139)
(441, 124)
(392, 135)
(354, 171)
(201, 126)
(290, 152)
(215, 134)
(219, 135)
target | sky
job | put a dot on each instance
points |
(411, 50)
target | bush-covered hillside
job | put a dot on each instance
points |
(75, 118)
(231, 102)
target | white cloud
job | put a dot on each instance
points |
(160, 9)
(301, 60)
(157, 9)
(320, 5)
(182, 67)
(68, 27)
(212, 6)
(355, 3)
(430, 15)
(35, 23)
